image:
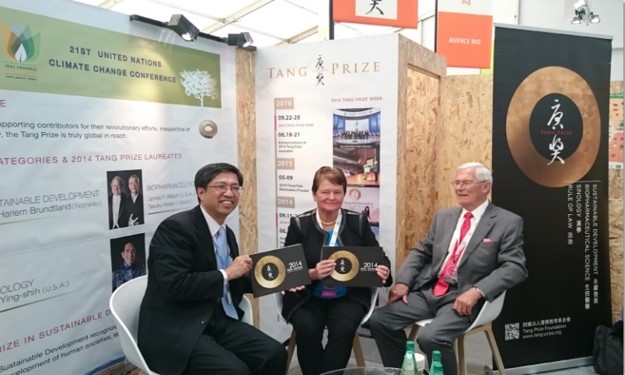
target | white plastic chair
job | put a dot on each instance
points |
(125, 303)
(483, 322)
(356, 346)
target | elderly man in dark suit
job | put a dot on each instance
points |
(190, 321)
(471, 253)
(117, 204)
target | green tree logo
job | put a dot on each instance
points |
(20, 45)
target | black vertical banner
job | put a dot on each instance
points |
(550, 165)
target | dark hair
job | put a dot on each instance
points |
(208, 172)
(334, 175)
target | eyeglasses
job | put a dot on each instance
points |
(222, 188)
(465, 183)
(328, 193)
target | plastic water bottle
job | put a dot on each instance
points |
(437, 368)
(409, 366)
(436, 358)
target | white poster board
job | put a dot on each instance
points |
(82, 106)
(330, 103)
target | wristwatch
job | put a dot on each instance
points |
(480, 291)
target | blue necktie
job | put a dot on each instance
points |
(223, 261)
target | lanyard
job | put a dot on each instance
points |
(461, 246)
(335, 231)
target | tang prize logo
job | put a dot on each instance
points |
(270, 272)
(553, 127)
(347, 266)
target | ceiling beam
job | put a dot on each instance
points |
(108, 4)
(303, 35)
(237, 15)
(193, 10)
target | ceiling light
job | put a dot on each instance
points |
(177, 23)
(579, 4)
(576, 21)
(243, 40)
(584, 14)
(183, 27)
(187, 31)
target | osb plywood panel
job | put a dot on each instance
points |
(416, 195)
(465, 133)
(415, 56)
(616, 240)
(418, 118)
(615, 196)
(246, 129)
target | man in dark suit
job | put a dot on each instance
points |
(463, 260)
(135, 201)
(118, 204)
(188, 323)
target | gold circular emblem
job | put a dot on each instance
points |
(537, 85)
(270, 272)
(208, 128)
(354, 265)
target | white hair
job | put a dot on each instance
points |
(481, 172)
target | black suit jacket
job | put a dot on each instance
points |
(184, 289)
(122, 218)
(135, 209)
(354, 231)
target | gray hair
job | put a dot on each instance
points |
(481, 172)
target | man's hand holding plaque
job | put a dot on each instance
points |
(355, 265)
(278, 270)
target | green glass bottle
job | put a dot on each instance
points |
(409, 366)
(436, 358)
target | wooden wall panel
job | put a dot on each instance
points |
(416, 193)
(615, 197)
(616, 240)
(246, 137)
(466, 129)
(419, 73)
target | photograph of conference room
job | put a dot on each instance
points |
(356, 138)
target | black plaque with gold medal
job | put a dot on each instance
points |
(355, 265)
(280, 269)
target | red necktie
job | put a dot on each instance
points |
(450, 267)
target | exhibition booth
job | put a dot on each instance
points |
(93, 104)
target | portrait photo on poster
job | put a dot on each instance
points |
(125, 198)
(127, 258)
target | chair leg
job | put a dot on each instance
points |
(290, 350)
(494, 349)
(360, 358)
(413, 332)
(462, 365)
